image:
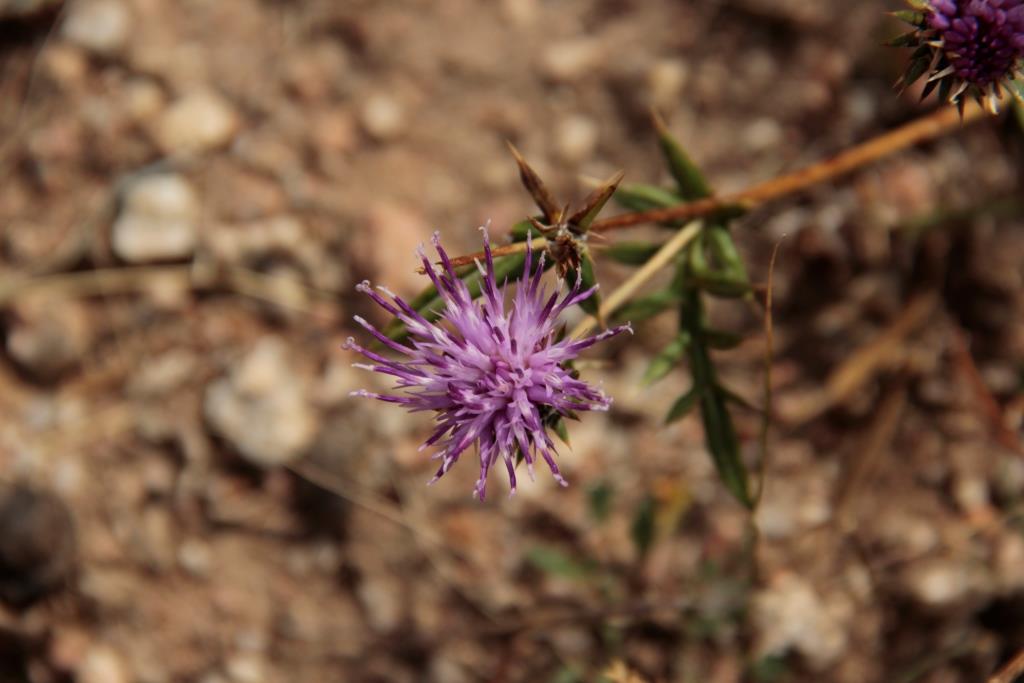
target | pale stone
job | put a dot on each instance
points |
(158, 221)
(100, 26)
(197, 122)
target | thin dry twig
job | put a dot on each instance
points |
(925, 128)
(503, 250)
(545, 619)
(876, 444)
(1009, 673)
(368, 501)
(640, 277)
(439, 553)
(983, 398)
(866, 362)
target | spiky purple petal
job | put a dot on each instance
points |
(491, 373)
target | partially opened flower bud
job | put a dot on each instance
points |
(969, 47)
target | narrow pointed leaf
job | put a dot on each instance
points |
(909, 39)
(556, 562)
(632, 253)
(537, 189)
(722, 286)
(721, 339)
(592, 304)
(733, 397)
(667, 358)
(724, 445)
(592, 205)
(1016, 88)
(646, 307)
(642, 197)
(523, 230)
(729, 281)
(719, 431)
(724, 251)
(682, 406)
(919, 63)
(562, 431)
(909, 16)
(689, 179)
(642, 529)
(599, 499)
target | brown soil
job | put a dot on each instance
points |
(240, 518)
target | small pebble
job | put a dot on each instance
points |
(576, 139)
(262, 407)
(382, 117)
(100, 26)
(194, 558)
(103, 665)
(47, 337)
(246, 669)
(570, 60)
(158, 220)
(198, 122)
(666, 81)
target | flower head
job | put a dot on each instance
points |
(493, 375)
(973, 47)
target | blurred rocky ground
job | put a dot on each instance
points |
(188, 493)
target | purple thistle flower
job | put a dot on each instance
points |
(492, 376)
(976, 45)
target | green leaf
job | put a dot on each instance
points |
(568, 673)
(733, 397)
(1016, 88)
(769, 669)
(642, 197)
(729, 279)
(719, 431)
(920, 60)
(551, 560)
(682, 406)
(632, 253)
(591, 304)
(645, 307)
(667, 359)
(721, 339)
(561, 430)
(909, 16)
(593, 204)
(724, 446)
(689, 179)
(725, 253)
(722, 286)
(908, 39)
(642, 529)
(599, 499)
(524, 229)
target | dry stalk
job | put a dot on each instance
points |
(925, 128)
(622, 294)
(1010, 672)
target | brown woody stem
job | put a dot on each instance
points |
(504, 250)
(925, 128)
